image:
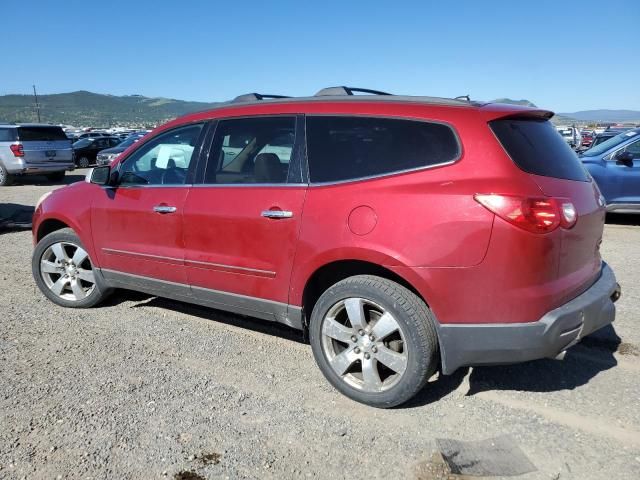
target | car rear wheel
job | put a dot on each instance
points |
(6, 178)
(374, 340)
(84, 162)
(64, 273)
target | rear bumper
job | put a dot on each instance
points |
(35, 169)
(495, 344)
(623, 207)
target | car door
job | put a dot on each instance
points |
(137, 224)
(629, 174)
(241, 222)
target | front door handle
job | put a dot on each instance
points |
(164, 209)
(277, 214)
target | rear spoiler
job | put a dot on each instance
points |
(495, 111)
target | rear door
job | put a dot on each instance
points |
(627, 176)
(241, 223)
(45, 145)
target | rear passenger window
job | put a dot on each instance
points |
(345, 148)
(251, 150)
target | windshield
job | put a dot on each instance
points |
(85, 142)
(608, 144)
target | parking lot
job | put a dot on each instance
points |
(150, 388)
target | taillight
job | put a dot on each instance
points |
(534, 214)
(18, 150)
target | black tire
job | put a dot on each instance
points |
(415, 321)
(68, 237)
(56, 176)
(6, 178)
(84, 162)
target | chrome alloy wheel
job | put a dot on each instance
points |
(66, 270)
(364, 344)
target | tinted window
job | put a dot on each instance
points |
(163, 160)
(608, 143)
(535, 146)
(40, 134)
(343, 148)
(85, 142)
(251, 150)
(7, 134)
(633, 148)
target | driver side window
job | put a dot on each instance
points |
(633, 148)
(164, 160)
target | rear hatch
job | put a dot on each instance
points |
(537, 148)
(43, 144)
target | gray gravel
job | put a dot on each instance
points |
(150, 388)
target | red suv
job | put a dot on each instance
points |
(402, 234)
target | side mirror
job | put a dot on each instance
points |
(100, 175)
(624, 158)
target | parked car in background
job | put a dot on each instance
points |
(107, 156)
(587, 138)
(404, 236)
(92, 135)
(571, 135)
(602, 137)
(33, 149)
(86, 150)
(615, 166)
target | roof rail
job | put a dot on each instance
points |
(252, 97)
(331, 91)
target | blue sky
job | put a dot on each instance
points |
(563, 55)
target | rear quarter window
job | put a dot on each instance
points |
(348, 148)
(41, 134)
(7, 134)
(535, 147)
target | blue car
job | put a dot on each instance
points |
(615, 166)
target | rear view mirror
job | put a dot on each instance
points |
(100, 175)
(624, 158)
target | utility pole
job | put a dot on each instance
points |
(37, 104)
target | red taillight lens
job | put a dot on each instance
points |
(534, 214)
(18, 150)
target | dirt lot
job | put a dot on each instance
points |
(150, 388)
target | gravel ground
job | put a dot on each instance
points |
(150, 388)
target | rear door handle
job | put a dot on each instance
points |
(164, 209)
(277, 214)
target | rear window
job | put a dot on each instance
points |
(535, 146)
(40, 134)
(348, 148)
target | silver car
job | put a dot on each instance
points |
(34, 149)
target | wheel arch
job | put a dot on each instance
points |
(48, 226)
(332, 272)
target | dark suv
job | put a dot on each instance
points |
(404, 235)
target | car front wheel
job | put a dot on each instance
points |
(64, 273)
(374, 340)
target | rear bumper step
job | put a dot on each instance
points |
(496, 344)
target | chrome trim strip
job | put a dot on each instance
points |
(193, 263)
(246, 185)
(384, 175)
(143, 256)
(231, 268)
(232, 302)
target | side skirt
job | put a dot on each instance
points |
(230, 302)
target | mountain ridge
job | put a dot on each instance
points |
(84, 108)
